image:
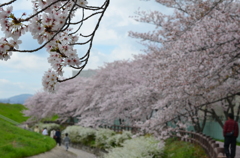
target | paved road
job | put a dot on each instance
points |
(80, 153)
(60, 152)
(237, 150)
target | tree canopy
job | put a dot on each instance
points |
(191, 65)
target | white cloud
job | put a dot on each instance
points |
(26, 62)
(121, 52)
(3, 81)
(96, 59)
(124, 51)
(104, 35)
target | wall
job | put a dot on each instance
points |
(214, 130)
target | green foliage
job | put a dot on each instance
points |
(118, 139)
(175, 148)
(82, 135)
(18, 143)
(100, 138)
(13, 111)
(52, 118)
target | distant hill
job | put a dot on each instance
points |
(18, 99)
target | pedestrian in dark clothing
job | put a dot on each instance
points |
(58, 137)
(230, 133)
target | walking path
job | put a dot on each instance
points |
(60, 152)
(237, 149)
(80, 153)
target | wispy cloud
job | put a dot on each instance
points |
(26, 62)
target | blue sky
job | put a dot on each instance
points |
(23, 72)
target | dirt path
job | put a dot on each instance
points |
(60, 152)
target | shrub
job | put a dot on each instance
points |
(146, 147)
(118, 139)
(79, 134)
(102, 135)
(101, 138)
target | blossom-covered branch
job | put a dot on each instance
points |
(56, 27)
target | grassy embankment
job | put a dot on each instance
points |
(179, 149)
(13, 111)
(19, 143)
(16, 142)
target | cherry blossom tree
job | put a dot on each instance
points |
(194, 54)
(46, 104)
(118, 90)
(57, 25)
(112, 94)
(191, 65)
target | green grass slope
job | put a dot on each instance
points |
(13, 111)
(178, 149)
(16, 142)
(19, 143)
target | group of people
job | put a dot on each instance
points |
(55, 134)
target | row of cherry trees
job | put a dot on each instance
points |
(197, 51)
(191, 67)
(202, 52)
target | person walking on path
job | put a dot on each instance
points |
(66, 141)
(52, 133)
(58, 137)
(230, 133)
(36, 129)
(26, 127)
(45, 132)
